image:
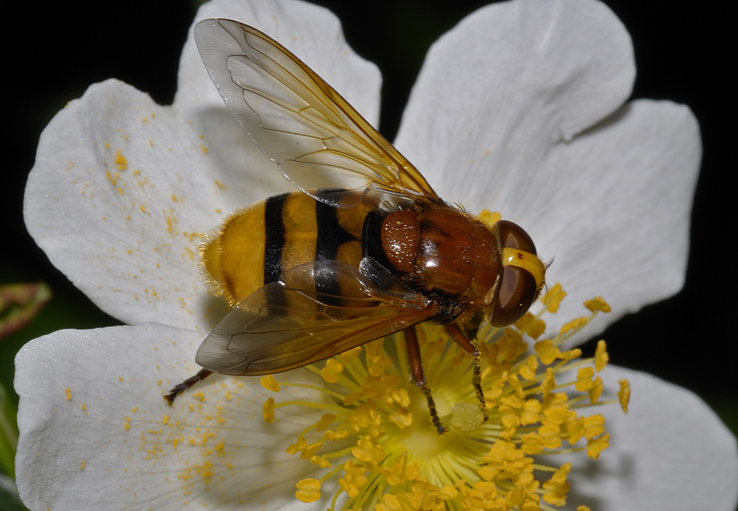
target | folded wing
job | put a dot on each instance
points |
(299, 121)
(315, 311)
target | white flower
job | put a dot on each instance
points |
(519, 109)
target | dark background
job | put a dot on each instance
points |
(52, 54)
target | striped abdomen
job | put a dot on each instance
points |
(254, 246)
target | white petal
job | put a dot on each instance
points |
(670, 451)
(97, 434)
(619, 227)
(118, 200)
(507, 83)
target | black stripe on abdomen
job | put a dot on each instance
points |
(330, 237)
(330, 233)
(275, 237)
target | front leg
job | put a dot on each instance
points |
(472, 350)
(416, 366)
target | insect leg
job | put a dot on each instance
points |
(472, 350)
(189, 382)
(416, 365)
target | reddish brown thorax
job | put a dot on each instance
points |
(443, 250)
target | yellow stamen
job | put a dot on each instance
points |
(584, 379)
(573, 324)
(556, 488)
(601, 356)
(596, 390)
(553, 297)
(597, 445)
(332, 370)
(308, 490)
(597, 304)
(268, 410)
(389, 456)
(269, 383)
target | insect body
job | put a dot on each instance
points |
(364, 249)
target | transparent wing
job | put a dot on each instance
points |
(315, 311)
(297, 119)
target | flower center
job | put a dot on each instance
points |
(421, 438)
(377, 440)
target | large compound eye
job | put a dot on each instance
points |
(518, 287)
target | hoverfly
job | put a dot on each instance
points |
(364, 249)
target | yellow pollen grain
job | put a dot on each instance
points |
(120, 161)
(203, 149)
(68, 393)
(624, 394)
(82, 465)
(204, 437)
